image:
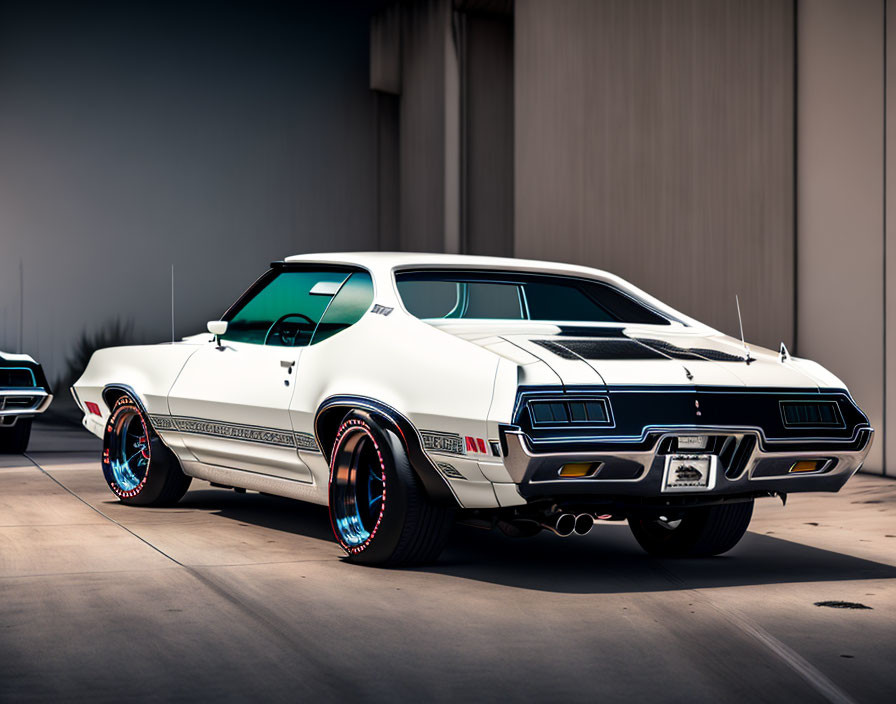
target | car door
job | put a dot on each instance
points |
(231, 400)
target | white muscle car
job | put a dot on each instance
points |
(24, 392)
(407, 391)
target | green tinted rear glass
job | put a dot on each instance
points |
(353, 300)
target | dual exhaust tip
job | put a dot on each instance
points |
(565, 524)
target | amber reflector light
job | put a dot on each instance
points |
(577, 469)
(806, 466)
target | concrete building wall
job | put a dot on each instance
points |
(840, 197)
(423, 126)
(655, 140)
(134, 135)
(887, 433)
(486, 58)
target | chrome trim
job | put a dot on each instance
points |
(523, 397)
(438, 441)
(522, 464)
(42, 400)
(697, 429)
(76, 398)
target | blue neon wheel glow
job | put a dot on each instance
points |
(127, 455)
(124, 477)
(360, 487)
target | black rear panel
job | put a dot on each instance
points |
(635, 413)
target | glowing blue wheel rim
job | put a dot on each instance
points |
(126, 460)
(359, 488)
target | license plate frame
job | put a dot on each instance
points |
(680, 468)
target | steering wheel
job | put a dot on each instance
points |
(287, 331)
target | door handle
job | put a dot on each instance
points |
(287, 363)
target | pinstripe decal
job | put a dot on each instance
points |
(304, 442)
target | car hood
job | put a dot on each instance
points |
(641, 355)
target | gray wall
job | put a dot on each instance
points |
(485, 54)
(700, 148)
(134, 135)
(422, 116)
(841, 197)
(655, 140)
(887, 427)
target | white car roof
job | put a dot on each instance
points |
(382, 264)
(401, 260)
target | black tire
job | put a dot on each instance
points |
(155, 479)
(14, 439)
(702, 532)
(399, 524)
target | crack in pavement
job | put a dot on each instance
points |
(326, 674)
(796, 662)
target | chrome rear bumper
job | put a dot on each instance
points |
(763, 470)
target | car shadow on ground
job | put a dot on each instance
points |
(264, 510)
(607, 560)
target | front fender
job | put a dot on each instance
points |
(147, 372)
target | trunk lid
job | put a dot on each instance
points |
(633, 355)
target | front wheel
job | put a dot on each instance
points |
(138, 468)
(699, 532)
(379, 510)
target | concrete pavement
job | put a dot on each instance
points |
(236, 597)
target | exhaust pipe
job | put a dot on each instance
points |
(563, 525)
(584, 523)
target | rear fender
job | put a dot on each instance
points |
(334, 409)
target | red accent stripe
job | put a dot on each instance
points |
(471, 444)
(93, 408)
(482, 446)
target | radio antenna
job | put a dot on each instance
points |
(21, 306)
(743, 340)
(172, 304)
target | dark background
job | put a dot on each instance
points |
(700, 148)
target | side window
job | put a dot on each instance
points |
(286, 311)
(494, 301)
(353, 300)
(430, 299)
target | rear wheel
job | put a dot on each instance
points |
(14, 438)
(700, 532)
(138, 468)
(379, 510)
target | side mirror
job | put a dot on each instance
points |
(217, 327)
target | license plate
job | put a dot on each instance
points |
(689, 472)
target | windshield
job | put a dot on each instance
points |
(518, 296)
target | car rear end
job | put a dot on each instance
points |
(636, 446)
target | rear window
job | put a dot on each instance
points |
(518, 296)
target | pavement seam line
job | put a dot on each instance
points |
(253, 611)
(96, 510)
(796, 662)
